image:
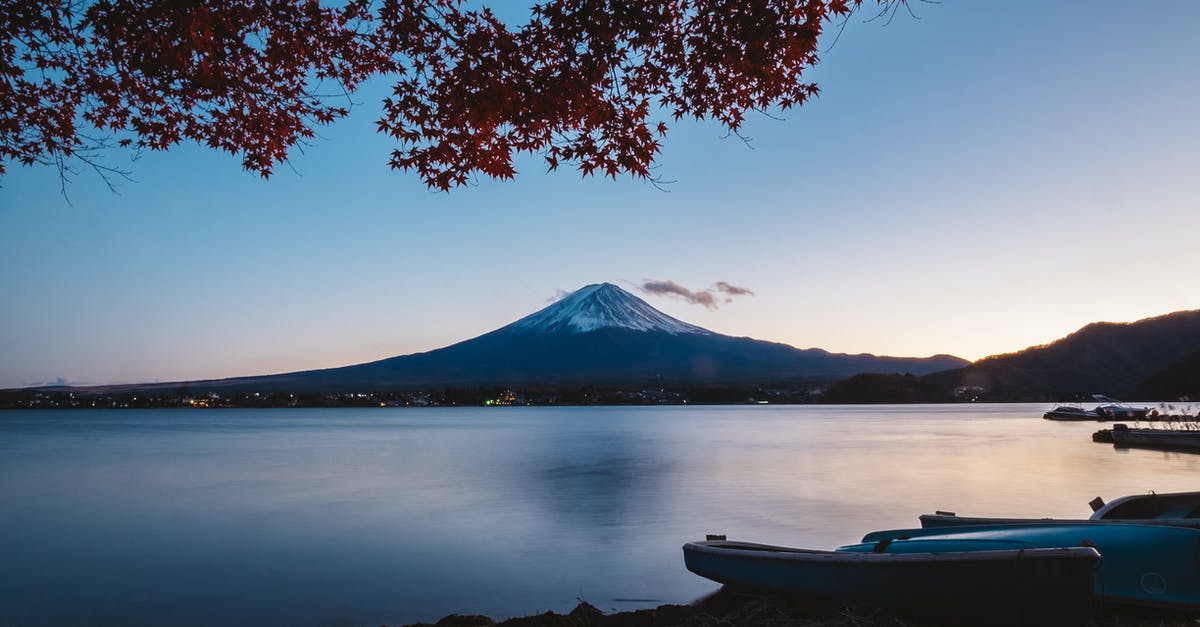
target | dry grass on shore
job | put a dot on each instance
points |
(731, 609)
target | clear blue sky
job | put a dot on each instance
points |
(987, 177)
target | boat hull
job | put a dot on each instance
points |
(1072, 413)
(1029, 585)
(1151, 565)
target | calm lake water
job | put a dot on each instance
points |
(314, 517)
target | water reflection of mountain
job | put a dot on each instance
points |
(601, 479)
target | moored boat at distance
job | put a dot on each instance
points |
(1148, 565)
(1123, 412)
(1178, 509)
(959, 579)
(1168, 439)
(1118, 410)
(1111, 409)
(1071, 412)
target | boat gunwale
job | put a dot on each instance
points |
(984, 521)
(1097, 517)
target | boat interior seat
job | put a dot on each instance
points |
(1183, 510)
(1144, 508)
(1155, 508)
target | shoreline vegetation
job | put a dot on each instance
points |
(727, 608)
(490, 396)
(799, 393)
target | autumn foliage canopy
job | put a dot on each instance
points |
(588, 83)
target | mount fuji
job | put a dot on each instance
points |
(597, 335)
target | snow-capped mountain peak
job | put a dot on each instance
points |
(598, 306)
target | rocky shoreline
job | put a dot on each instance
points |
(726, 608)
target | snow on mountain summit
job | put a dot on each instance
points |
(599, 306)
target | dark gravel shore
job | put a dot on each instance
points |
(731, 609)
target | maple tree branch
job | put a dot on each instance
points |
(579, 82)
(85, 156)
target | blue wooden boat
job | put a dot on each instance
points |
(1151, 565)
(1179, 509)
(972, 576)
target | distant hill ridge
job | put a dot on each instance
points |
(1103, 357)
